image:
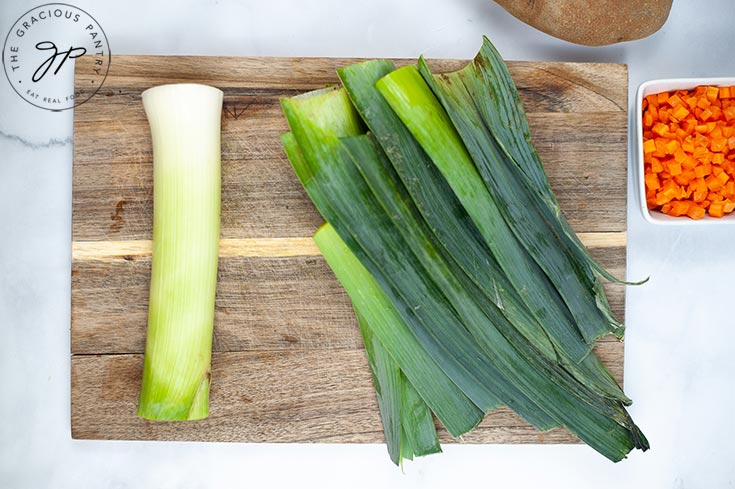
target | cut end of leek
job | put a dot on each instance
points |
(185, 129)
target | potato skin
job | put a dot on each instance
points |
(592, 22)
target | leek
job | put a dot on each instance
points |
(452, 407)
(535, 230)
(185, 128)
(453, 227)
(516, 363)
(412, 100)
(430, 254)
(407, 421)
(541, 391)
(317, 121)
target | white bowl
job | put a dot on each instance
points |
(658, 86)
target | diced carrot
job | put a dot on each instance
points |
(680, 112)
(652, 181)
(712, 183)
(656, 165)
(650, 146)
(716, 209)
(695, 211)
(716, 112)
(674, 100)
(647, 120)
(663, 115)
(689, 151)
(700, 192)
(716, 132)
(653, 110)
(722, 178)
(660, 129)
(718, 144)
(672, 146)
(711, 93)
(679, 207)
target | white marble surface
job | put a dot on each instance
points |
(681, 326)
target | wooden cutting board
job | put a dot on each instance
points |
(288, 363)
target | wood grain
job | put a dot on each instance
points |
(288, 363)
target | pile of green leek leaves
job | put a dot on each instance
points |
(470, 288)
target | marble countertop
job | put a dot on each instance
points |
(681, 327)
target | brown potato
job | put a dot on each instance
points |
(592, 22)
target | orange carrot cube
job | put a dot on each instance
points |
(656, 165)
(712, 183)
(695, 212)
(716, 209)
(718, 144)
(722, 178)
(674, 100)
(647, 120)
(672, 146)
(652, 181)
(660, 129)
(711, 93)
(680, 112)
(679, 207)
(649, 146)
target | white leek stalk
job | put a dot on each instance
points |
(185, 129)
